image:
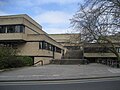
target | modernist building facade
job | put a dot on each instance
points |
(95, 51)
(69, 41)
(89, 51)
(24, 34)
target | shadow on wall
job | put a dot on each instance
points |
(73, 54)
(40, 62)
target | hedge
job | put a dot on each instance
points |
(14, 62)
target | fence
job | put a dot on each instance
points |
(112, 63)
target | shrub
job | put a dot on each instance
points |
(28, 61)
(8, 58)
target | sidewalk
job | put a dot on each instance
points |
(60, 72)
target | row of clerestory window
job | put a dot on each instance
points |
(12, 28)
(47, 46)
(100, 49)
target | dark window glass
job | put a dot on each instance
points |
(22, 28)
(118, 49)
(51, 47)
(43, 45)
(47, 46)
(58, 50)
(40, 45)
(2, 29)
(10, 29)
(97, 50)
(54, 48)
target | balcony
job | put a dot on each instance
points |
(12, 37)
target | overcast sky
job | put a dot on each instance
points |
(53, 15)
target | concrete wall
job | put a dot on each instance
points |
(13, 36)
(32, 27)
(43, 60)
(66, 38)
(32, 36)
(43, 37)
(10, 20)
(32, 49)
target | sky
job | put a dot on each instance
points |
(53, 15)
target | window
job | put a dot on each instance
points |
(12, 29)
(40, 45)
(48, 46)
(2, 29)
(118, 49)
(97, 49)
(45, 45)
(19, 28)
(51, 47)
(58, 50)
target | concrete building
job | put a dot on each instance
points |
(26, 35)
(89, 51)
(69, 41)
(94, 51)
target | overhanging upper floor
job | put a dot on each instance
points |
(12, 37)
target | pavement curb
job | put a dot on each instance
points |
(68, 79)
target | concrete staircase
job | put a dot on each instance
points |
(71, 57)
(73, 54)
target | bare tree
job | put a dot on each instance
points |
(98, 21)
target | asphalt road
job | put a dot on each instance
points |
(101, 84)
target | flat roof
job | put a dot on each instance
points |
(23, 16)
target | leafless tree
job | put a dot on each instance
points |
(98, 21)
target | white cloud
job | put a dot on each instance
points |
(53, 17)
(4, 13)
(54, 21)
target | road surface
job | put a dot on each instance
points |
(98, 84)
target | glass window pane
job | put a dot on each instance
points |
(2, 29)
(17, 29)
(40, 45)
(10, 29)
(22, 28)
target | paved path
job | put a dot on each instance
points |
(59, 72)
